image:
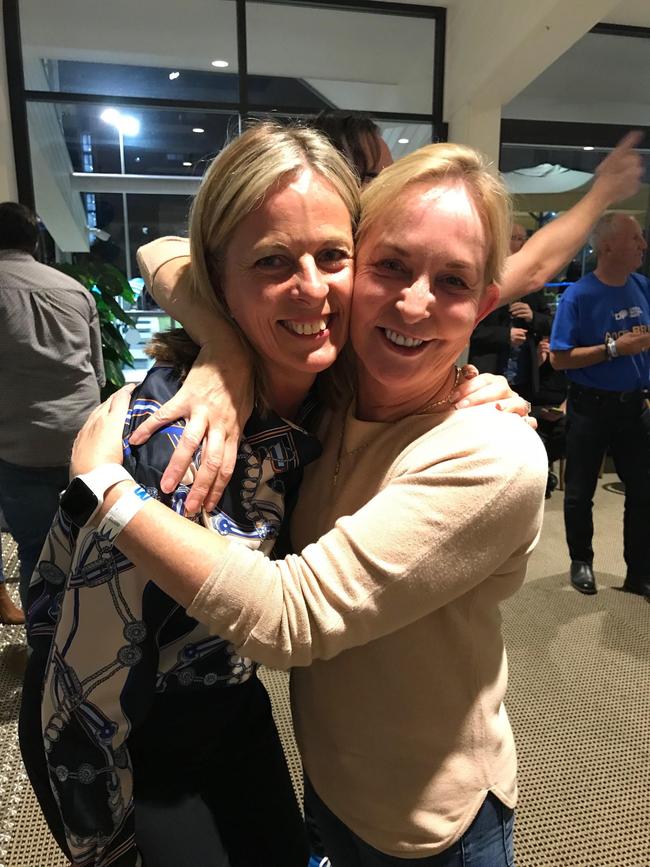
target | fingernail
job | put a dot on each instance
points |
(462, 404)
(166, 486)
(134, 439)
(454, 397)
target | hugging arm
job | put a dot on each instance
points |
(370, 575)
(617, 178)
(217, 395)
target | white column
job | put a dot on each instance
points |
(495, 48)
(479, 127)
(8, 190)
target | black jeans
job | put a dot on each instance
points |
(596, 423)
(211, 777)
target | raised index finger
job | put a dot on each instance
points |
(630, 140)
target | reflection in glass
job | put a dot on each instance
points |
(326, 51)
(127, 49)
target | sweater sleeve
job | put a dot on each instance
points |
(155, 254)
(435, 531)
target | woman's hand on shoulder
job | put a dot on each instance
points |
(477, 389)
(100, 439)
(215, 413)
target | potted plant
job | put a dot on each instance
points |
(107, 284)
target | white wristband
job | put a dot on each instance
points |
(121, 512)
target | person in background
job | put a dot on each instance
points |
(505, 342)
(359, 139)
(51, 373)
(549, 409)
(601, 338)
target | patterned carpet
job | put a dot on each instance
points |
(579, 701)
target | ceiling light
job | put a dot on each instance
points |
(198, 129)
(187, 164)
(402, 141)
(124, 123)
(587, 148)
(173, 75)
(220, 64)
(137, 159)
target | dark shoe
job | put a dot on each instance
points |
(640, 586)
(582, 577)
(551, 484)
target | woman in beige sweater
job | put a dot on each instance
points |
(426, 517)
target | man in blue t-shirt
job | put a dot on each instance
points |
(601, 337)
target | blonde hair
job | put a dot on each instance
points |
(444, 163)
(237, 182)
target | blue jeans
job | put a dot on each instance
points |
(486, 843)
(29, 498)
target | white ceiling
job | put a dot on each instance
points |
(600, 79)
(373, 61)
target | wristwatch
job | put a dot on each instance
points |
(84, 496)
(610, 349)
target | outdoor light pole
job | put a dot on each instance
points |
(131, 126)
(125, 209)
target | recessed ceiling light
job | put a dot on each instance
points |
(220, 64)
(587, 148)
(402, 141)
(198, 129)
(173, 75)
(187, 164)
(137, 159)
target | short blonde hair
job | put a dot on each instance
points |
(443, 163)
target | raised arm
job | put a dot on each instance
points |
(217, 396)
(617, 178)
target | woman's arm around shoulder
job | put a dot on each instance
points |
(458, 505)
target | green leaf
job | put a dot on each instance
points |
(114, 373)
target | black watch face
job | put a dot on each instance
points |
(78, 502)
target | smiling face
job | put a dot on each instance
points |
(287, 280)
(419, 292)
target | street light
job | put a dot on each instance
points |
(126, 125)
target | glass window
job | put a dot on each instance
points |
(144, 49)
(153, 141)
(404, 138)
(338, 59)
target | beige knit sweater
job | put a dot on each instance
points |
(395, 609)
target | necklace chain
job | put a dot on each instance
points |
(428, 407)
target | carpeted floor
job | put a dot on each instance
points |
(579, 701)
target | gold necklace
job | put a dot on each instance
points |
(446, 401)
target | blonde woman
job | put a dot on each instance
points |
(160, 744)
(414, 525)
